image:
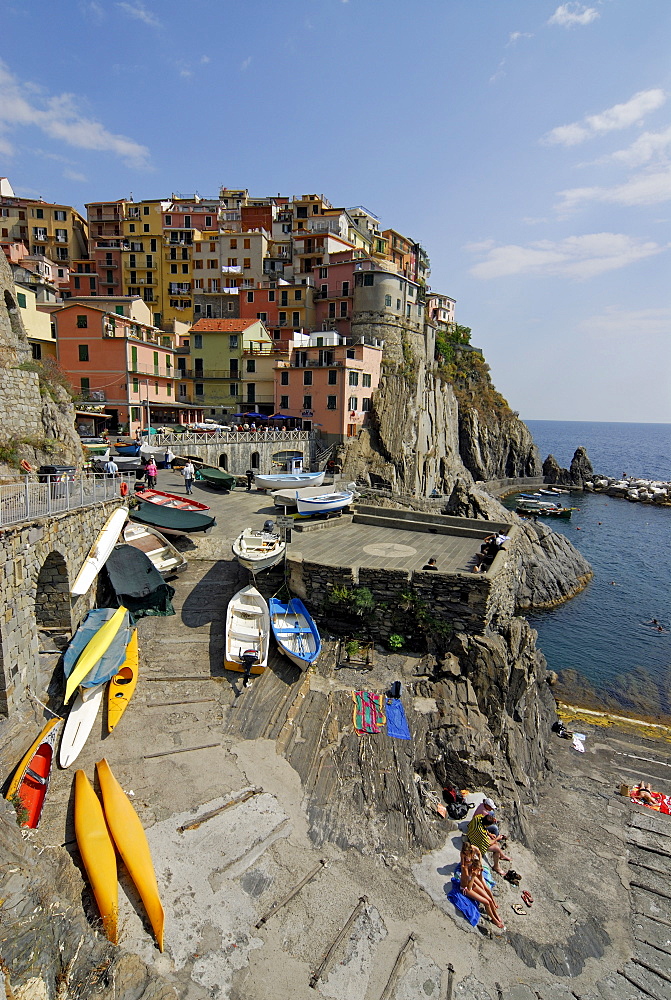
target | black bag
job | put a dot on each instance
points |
(457, 810)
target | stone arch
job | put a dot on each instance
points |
(223, 461)
(255, 460)
(52, 594)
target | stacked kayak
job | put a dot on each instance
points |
(28, 788)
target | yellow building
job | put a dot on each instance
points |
(223, 354)
(41, 331)
(58, 232)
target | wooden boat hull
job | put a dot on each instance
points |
(79, 723)
(324, 504)
(94, 651)
(99, 551)
(131, 843)
(247, 628)
(289, 480)
(295, 631)
(97, 853)
(170, 500)
(123, 684)
(30, 783)
(165, 557)
(258, 550)
(171, 520)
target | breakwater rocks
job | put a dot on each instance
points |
(635, 490)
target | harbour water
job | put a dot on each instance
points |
(605, 655)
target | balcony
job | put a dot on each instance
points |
(105, 216)
(231, 269)
(211, 373)
(91, 396)
(105, 265)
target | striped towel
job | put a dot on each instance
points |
(368, 713)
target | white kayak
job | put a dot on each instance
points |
(80, 723)
(100, 551)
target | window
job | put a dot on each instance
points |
(199, 389)
(21, 299)
(145, 210)
(250, 296)
(284, 402)
(168, 220)
(136, 385)
(156, 388)
(85, 385)
(39, 213)
(37, 351)
(332, 310)
(234, 244)
(353, 378)
(152, 246)
(145, 228)
(307, 402)
(251, 365)
(298, 295)
(208, 221)
(368, 279)
(366, 405)
(61, 235)
(59, 215)
(387, 300)
(345, 287)
(213, 247)
(333, 377)
(398, 303)
(284, 378)
(324, 290)
(302, 213)
(198, 341)
(213, 264)
(343, 309)
(233, 341)
(323, 272)
(233, 389)
(131, 227)
(282, 319)
(353, 403)
(82, 322)
(271, 296)
(407, 310)
(295, 319)
(185, 268)
(118, 310)
(187, 222)
(232, 261)
(83, 352)
(307, 378)
(366, 380)
(263, 317)
(198, 265)
(246, 261)
(92, 283)
(173, 268)
(331, 401)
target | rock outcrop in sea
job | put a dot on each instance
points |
(581, 470)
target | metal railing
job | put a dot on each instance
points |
(26, 499)
(231, 436)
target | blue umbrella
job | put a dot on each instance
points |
(281, 416)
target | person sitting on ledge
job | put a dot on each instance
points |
(488, 550)
(430, 565)
(480, 837)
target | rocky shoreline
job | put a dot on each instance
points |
(632, 489)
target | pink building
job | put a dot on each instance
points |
(329, 384)
(334, 292)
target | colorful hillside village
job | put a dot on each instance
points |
(179, 311)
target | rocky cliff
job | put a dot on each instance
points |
(37, 418)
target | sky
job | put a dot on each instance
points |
(526, 144)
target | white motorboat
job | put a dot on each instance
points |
(287, 480)
(165, 557)
(247, 632)
(325, 503)
(257, 550)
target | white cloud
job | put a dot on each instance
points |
(516, 35)
(73, 175)
(140, 13)
(568, 15)
(648, 146)
(633, 323)
(618, 117)
(60, 118)
(204, 59)
(646, 188)
(6, 148)
(574, 257)
(245, 63)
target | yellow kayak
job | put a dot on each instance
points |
(123, 684)
(97, 853)
(94, 650)
(28, 756)
(131, 843)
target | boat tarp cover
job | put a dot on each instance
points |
(217, 477)
(137, 583)
(110, 662)
(171, 517)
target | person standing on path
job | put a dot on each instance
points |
(189, 473)
(152, 473)
(250, 479)
(167, 459)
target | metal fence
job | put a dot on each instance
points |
(230, 437)
(25, 499)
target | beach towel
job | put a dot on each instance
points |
(397, 724)
(467, 906)
(368, 713)
(661, 803)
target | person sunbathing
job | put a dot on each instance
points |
(471, 881)
(644, 793)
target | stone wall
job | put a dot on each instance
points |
(39, 563)
(237, 456)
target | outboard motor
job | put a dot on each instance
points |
(249, 658)
(269, 526)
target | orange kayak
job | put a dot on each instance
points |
(97, 853)
(131, 843)
(123, 684)
(28, 788)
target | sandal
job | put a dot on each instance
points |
(519, 909)
(527, 898)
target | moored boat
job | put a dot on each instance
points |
(171, 500)
(247, 632)
(258, 550)
(97, 853)
(79, 723)
(171, 520)
(165, 557)
(295, 631)
(123, 684)
(325, 503)
(85, 661)
(131, 843)
(99, 551)
(30, 783)
(539, 509)
(283, 481)
(127, 449)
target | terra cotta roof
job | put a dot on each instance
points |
(225, 325)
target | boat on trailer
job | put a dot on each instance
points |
(295, 631)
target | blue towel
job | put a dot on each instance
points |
(469, 908)
(397, 724)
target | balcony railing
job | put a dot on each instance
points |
(211, 373)
(231, 436)
(25, 499)
(105, 217)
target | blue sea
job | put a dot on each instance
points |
(605, 655)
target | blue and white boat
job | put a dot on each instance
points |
(128, 449)
(326, 503)
(295, 631)
(530, 496)
(295, 480)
